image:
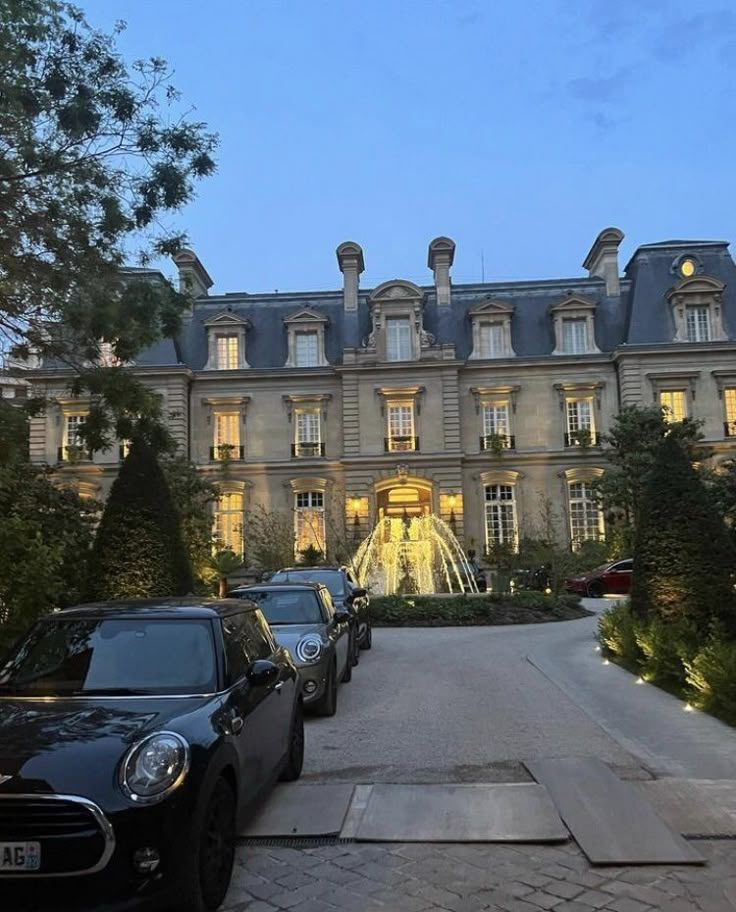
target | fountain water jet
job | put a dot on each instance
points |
(418, 554)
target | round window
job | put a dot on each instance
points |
(687, 267)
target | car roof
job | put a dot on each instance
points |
(321, 568)
(158, 608)
(307, 584)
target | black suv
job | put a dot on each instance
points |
(134, 739)
(344, 590)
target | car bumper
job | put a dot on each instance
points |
(313, 680)
(576, 586)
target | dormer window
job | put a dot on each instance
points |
(574, 323)
(226, 333)
(398, 339)
(306, 338)
(398, 334)
(696, 305)
(491, 321)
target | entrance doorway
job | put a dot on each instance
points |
(403, 500)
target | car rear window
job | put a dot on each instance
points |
(291, 606)
(113, 656)
(333, 579)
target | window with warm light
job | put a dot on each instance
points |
(401, 427)
(227, 352)
(698, 324)
(586, 517)
(229, 521)
(309, 521)
(688, 268)
(674, 404)
(729, 402)
(496, 425)
(227, 435)
(575, 336)
(500, 509)
(73, 446)
(307, 433)
(492, 340)
(306, 349)
(580, 424)
(398, 339)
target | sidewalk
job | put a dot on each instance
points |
(353, 877)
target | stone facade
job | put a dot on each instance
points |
(467, 401)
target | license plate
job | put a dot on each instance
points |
(20, 856)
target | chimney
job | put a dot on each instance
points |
(602, 260)
(193, 277)
(350, 260)
(439, 259)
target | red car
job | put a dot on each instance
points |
(610, 579)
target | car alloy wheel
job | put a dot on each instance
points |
(367, 637)
(295, 760)
(595, 589)
(327, 706)
(217, 846)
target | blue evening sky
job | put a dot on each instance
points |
(519, 129)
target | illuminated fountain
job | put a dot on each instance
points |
(413, 554)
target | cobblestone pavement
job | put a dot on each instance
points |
(470, 878)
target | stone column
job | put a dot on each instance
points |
(350, 260)
(439, 259)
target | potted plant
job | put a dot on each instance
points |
(496, 443)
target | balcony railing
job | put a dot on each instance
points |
(582, 438)
(498, 442)
(729, 428)
(73, 453)
(306, 449)
(400, 444)
(226, 451)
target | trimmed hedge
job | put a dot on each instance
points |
(473, 610)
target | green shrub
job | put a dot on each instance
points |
(711, 675)
(617, 633)
(456, 610)
(665, 647)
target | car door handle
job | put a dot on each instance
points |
(277, 687)
(237, 723)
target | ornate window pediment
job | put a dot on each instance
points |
(696, 309)
(226, 333)
(397, 310)
(491, 321)
(306, 334)
(574, 322)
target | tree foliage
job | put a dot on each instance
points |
(45, 538)
(632, 445)
(723, 490)
(139, 550)
(94, 156)
(269, 538)
(684, 557)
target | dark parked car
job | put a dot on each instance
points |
(613, 578)
(134, 739)
(318, 635)
(344, 590)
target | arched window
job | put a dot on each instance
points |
(229, 521)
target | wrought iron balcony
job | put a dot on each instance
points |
(307, 449)
(729, 428)
(73, 452)
(226, 451)
(582, 438)
(498, 441)
(400, 444)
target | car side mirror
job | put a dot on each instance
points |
(262, 672)
(359, 593)
(342, 616)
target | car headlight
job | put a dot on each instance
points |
(309, 649)
(154, 767)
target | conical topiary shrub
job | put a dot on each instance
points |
(684, 559)
(139, 550)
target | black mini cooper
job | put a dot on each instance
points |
(134, 739)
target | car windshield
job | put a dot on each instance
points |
(292, 606)
(88, 657)
(333, 579)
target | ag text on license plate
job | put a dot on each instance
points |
(20, 856)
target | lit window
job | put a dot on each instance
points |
(227, 435)
(574, 336)
(227, 353)
(687, 268)
(729, 400)
(309, 521)
(500, 515)
(673, 403)
(401, 427)
(229, 521)
(307, 349)
(698, 324)
(496, 423)
(398, 339)
(580, 425)
(492, 342)
(73, 445)
(308, 441)
(586, 517)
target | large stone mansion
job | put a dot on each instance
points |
(468, 401)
